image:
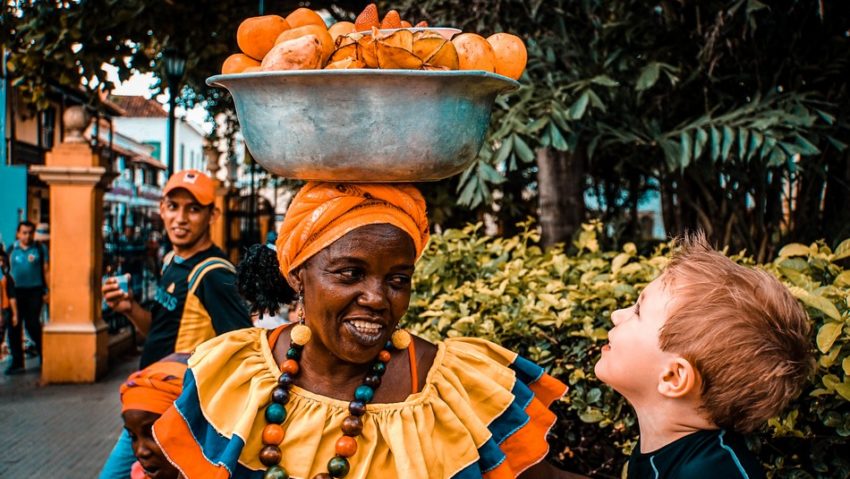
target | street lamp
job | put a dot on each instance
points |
(175, 66)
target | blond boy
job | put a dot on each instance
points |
(711, 349)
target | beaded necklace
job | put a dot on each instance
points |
(352, 426)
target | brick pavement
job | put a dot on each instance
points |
(62, 431)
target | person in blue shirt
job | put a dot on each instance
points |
(28, 264)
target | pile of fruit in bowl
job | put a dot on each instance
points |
(379, 99)
(302, 41)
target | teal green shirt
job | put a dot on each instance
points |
(710, 454)
(26, 265)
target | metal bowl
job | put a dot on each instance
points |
(364, 125)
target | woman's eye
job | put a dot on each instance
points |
(350, 273)
(400, 280)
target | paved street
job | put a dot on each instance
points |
(62, 431)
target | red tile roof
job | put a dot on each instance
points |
(137, 106)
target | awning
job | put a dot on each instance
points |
(148, 160)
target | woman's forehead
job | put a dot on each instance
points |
(373, 239)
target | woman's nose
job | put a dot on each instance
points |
(373, 295)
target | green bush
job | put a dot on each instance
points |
(555, 310)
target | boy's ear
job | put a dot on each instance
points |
(678, 379)
(215, 213)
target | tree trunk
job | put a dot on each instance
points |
(806, 221)
(560, 180)
(836, 210)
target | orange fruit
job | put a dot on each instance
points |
(238, 63)
(511, 55)
(302, 53)
(339, 29)
(367, 19)
(256, 35)
(304, 16)
(391, 20)
(321, 34)
(474, 52)
(405, 24)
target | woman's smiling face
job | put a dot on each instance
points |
(357, 289)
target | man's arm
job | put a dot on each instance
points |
(13, 302)
(46, 272)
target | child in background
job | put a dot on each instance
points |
(144, 397)
(8, 305)
(712, 349)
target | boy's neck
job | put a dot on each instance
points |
(665, 421)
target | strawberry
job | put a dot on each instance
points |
(391, 20)
(367, 19)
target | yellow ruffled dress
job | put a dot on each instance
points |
(483, 413)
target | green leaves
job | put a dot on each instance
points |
(827, 335)
(578, 108)
(765, 129)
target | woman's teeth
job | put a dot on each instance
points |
(366, 327)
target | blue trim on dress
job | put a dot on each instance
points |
(215, 447)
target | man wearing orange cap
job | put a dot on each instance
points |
(196, 298)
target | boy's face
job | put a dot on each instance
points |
(632, 362)
(138, 424)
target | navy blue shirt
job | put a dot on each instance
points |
(709, 454)
(192, 308)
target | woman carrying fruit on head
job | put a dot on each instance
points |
(344, 393)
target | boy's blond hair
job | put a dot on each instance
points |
(742, 330)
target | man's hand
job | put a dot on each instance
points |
(117, 299)
(14, 320)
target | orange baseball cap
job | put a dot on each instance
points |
(196, 183)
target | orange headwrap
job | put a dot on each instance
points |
(154, 388)
(322, 213)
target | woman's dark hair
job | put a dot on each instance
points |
(259, 281)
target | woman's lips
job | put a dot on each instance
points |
(367, 333)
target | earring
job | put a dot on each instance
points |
(301, 333)
(401, 339)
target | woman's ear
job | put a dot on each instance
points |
(678, 379)
(294, 279)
